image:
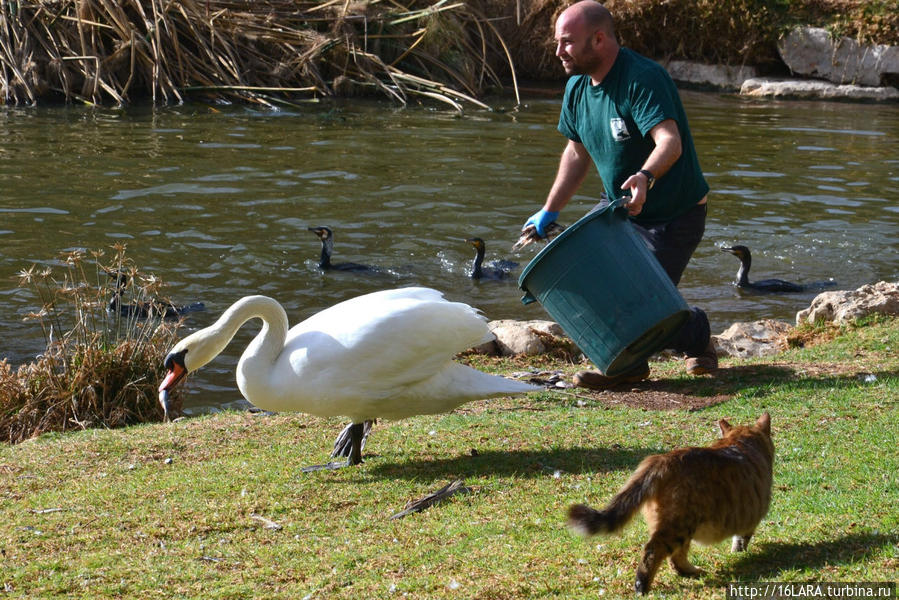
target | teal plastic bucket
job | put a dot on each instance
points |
(601, 284)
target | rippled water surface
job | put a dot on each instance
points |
(217, 201)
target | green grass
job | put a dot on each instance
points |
(171, 510)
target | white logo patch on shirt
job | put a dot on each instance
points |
(619, 130)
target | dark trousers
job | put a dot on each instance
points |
(673, 244)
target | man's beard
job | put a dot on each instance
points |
(582, 67)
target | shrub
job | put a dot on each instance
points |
(101, 366)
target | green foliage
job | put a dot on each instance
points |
(735, 32)
(745, 31)
(868, 21)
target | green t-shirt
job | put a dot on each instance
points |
(612, 120)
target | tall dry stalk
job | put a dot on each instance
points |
(101, 367)
(263, 51)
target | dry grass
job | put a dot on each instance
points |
(100, 368)
(871, 21)
(263, 51)
(286, 51)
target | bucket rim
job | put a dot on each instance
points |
(569, 231)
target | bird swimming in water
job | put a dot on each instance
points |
(144, 310)
(387, 354)
(500, 269)
(767, 285)
(327, 239)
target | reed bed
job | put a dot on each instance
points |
(100, 368)
(262, 51)
(289, 51)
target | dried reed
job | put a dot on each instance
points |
(101, 367)
(262, 51)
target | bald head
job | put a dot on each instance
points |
(585, 40)
(590, 15)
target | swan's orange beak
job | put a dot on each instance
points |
(174, 364)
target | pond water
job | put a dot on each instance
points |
(216, 202)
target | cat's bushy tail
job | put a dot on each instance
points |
(638, 489)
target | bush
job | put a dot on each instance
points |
(102, 363)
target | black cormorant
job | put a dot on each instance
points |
(144, 310)
(766, 285)
(500, 269)
(327, 239)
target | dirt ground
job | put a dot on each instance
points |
(651, 395)
(665, 390)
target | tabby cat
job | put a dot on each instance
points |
(703, 494)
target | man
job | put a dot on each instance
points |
(622, 112)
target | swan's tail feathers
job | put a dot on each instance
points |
(496, 385)
(460, 383)
(638, 489)
(523, 387)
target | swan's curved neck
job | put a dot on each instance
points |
(264, 348)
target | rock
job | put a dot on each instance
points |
(811, 51)
(745, 340)
(523, 337)
(843, 306)
(821, 90)
(720, 77)
(486, 348)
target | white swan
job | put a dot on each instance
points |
(388, 355)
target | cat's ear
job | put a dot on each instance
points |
(724, 426)
(764, 423)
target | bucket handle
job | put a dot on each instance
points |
(618, 203)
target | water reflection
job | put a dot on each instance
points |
(217, 201)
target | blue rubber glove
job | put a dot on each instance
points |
(541, 219)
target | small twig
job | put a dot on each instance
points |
(431, 499)
(267, 523)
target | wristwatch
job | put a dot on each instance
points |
(650, 178)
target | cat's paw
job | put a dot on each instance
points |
(740, 543)
(688, 570)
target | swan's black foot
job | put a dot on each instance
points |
(354, 432)
(343, 445)
(338, 464)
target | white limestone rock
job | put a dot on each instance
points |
(721, 77)
(816, 90)
(844, 306)
(759, 338)
(812, 52)
(523, 337)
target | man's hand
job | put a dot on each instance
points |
(540, 220)
(637, 184)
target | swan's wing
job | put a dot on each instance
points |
(382, 341)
